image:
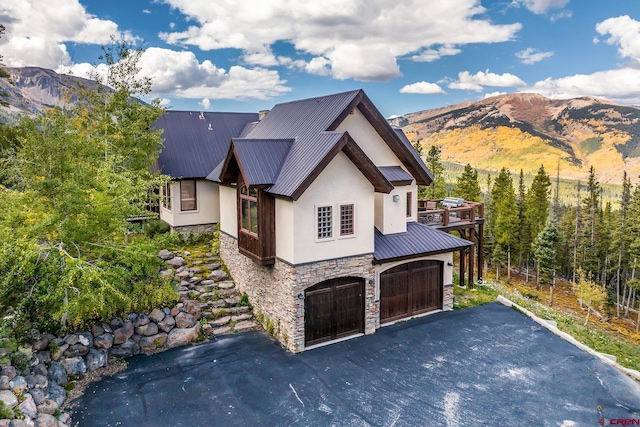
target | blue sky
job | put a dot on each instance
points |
(408, 55)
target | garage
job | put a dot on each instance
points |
(333, 309)
(410, 289)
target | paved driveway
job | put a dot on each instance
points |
(488, 365)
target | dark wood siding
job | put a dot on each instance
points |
(260, 247)
(334, 309)
(410, 289)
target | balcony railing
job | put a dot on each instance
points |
(437, 214)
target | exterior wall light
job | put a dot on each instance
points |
(396, 198)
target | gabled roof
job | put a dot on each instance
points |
(311, 123)
(418, 240)
(194, 142)
(259, 160)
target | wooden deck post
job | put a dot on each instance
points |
(480, 251)
(462, 267)
(472, 238)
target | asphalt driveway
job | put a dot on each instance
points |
(487, 365)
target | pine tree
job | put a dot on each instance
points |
(437, 188)
(537, 203)
(545, 253)
(504, 219)
(524, 242)
(589, 250)
(467, 185)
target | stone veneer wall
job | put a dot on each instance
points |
(274, 290)
(195, 229)
(447, 297)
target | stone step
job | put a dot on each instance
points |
(222, 330)
(221, 321)
(241, 317)
(245, 325)
(226, 285)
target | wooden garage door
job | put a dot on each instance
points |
(410, 289)
(333, 309)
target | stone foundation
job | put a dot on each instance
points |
(277, 291)
(194, 229)
(447, 297)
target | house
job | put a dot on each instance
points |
(318, 220)
(194, 143)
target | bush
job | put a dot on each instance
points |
(153, 227)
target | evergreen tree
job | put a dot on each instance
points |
(524, 243)
(437, 188)
(590, 249)
(622, 240)
(504, 219)
(467, 185)
(545, 253)
(537, 203)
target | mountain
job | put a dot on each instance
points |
(525, 130)
(30, 90)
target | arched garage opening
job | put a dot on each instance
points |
(333, 309)
(410, 289)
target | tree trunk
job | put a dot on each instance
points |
(509, 265)
(527, 276)
(538, 275)
(551, 296)
(588, 313)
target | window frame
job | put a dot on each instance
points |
(409, 204)
(195, 196)
(331, 207)
(340, 220)
(250, 197)
(165, 200)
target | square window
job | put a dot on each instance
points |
(188, 200)
(325, 222)
(346, 220)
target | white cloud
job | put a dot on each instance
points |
(147, 11)
(622, 85)
(540, 7)
(531, 56)
(37, 30)
(561, 15)
(359, 39)
(206, 103)
(430, 55)
(624, 32)
(425, 88)
(492, 94)
(164, 102)
(476, 82)
(182, 75)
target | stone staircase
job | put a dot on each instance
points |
(202, 279)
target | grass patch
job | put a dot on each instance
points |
(472, 297)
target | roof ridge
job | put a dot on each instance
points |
(320, 97)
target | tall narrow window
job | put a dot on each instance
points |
(166, 195)
(346, 220)
(188, 199)
(409, 203)
(249, 209)
(325, 222)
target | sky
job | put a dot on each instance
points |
(407, 55)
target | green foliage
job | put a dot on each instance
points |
(591, 145)
(472, 297)
(504, 219)
(437, 189)
(244, 301)
(591, 294)
(6, 413)
(155, 226)
(467, 185)
(545, 252)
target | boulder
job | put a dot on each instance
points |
(167, 323)
(38, 396)
(74, 365)
(103, 341)
(154, 342)
(43, 356)
(117, 323)
(4, 382)
(8, 398)
(97, 330)
(18, 383)
(128, 349)
(9, 371)
(185, 320)
(217, 275)
(72, 339)
(222, 330)
(46, 420)
(36, 381)
(193, 308)
(142, 320)
(165, 255)
(56, 393)
(76, 350)
(175, 262)
(176, 309)
(28, 407)
(221, 321)
(49, 406)
(147, 330)
(156, 315)
(244, 325)
(86, 339)
(58, 353)
(42, 342)
(58, 374)
(226, 285)
(181, 336)
(121, 335)
(96, 359)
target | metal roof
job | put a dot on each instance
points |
(418, 240)
(261, 159)
(396, 175)
(194, 142)
(413, 152)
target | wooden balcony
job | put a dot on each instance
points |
(435, 214)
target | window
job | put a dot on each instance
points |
(249, 209)
(325, 222)
(166, 196)
(409, 203)
(346, 220)
(188, 200)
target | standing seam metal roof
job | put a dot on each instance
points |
(261, 159)
(193, 146)
(419, 239)
(395, 174)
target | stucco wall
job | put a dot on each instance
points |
(228, 210)
(285, 224)
(341, 182)
(208, 206)
(368, 139)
